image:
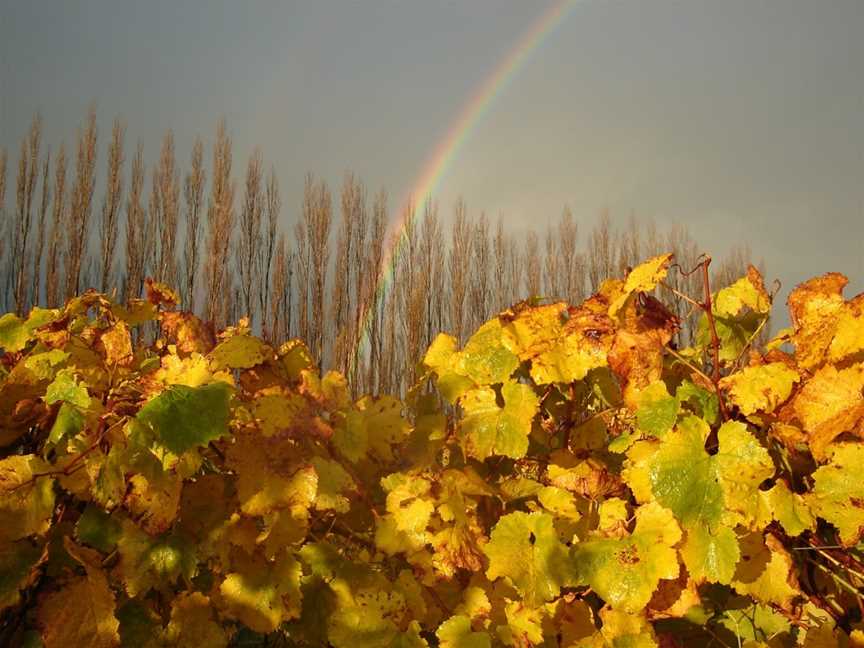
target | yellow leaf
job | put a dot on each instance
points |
(239, 351)
(762, 388)
(643, 278)
(849, 336)
(748, 291)
(118, 344)
(26, 501)
(82, 612)
(829, 404)
(561, 344)
(268, 477)
(765, 571)
(192, 624)
(154, 503)
(814, 307)
(262, 594)
(190, 333)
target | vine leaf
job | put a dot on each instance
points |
(766, 572)
(17, 563)
(625, 572)
(15, 332)
(643, 278)
(829, 404)
(490, 429)
(26, 502)
(182, 418)
(525, 549)
(262, 594)
(708, 494)
(82, 612)
(192, 624)
(838, 492)
(761, 388)
(657, 411)
(562, 344)
(456, 632)
(814, 307)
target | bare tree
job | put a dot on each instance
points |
(41, 229)
(373, 300)
(500, 274)
(137, 226)
(110, 224)
(249, 248)
(220, 225)
(314, 259)
(54, 263)
(459, 267)
(363, 275)
(4, 225)
(532, 264)
(81, 201)
(193, 191)
(280, 302)
(601, 252)
(553, 283)
(481, 257)
(515, 265)
(272, 208)
(28, 172)
(340, 306)
(629, 249)
(165, 212)
(572, 262)
(431, 268)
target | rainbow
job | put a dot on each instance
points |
(445, 152)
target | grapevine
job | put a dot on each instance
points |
(568, 477)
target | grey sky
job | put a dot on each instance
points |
(742, 118)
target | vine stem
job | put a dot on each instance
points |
(707, 306)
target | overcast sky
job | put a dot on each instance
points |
(742, 118)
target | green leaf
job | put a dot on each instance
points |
(708, 494)
(703, 402)
(625, 572)
(69, 422)
(15, 333)
(147, 562)
(711, 555)
(184, 417)
(525, 549)
(789, 509)
(98, 529)
(66, 388)
(17, 560)
(44, 364)
(489, 429)
(657, 410)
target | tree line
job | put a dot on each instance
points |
(222, 242)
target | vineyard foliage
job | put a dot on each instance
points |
(566, 478)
